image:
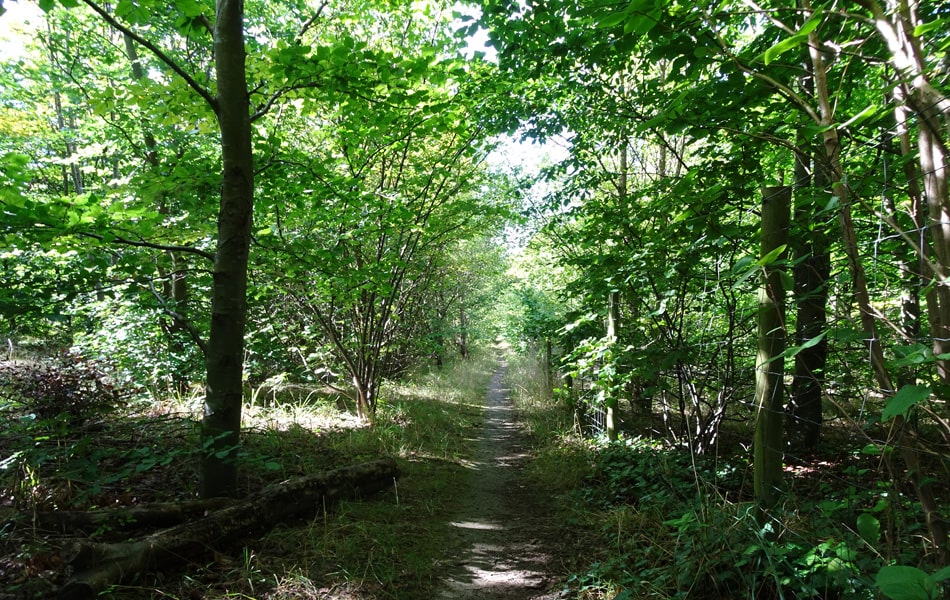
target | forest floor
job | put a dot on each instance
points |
(511, 536)
(472, 517)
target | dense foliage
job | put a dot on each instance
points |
(244, 197)
(685, 121)
(370, 186)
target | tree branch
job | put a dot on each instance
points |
(144, 244)
(157, 52)
(309, 23)
(779, 87)
(180, 319)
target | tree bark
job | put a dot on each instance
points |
(221, 425)
(811, 273)
(898, 29)
(124, 518)
(931, 107)
(99, 566)
(612, 402)
(912, 262)
(463, 332)
(770, 366)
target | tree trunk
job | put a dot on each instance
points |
(811, 273)
(365, 399)
(611, 402)
(65, 125)
(931, 108)
(124, 518)
(912, 261)
(770, 366)
(99, 566)
(463, 333)
(220, 428)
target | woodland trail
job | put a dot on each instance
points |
(510, 537)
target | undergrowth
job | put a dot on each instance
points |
(647, 519)
(658, 522)
(389, 546)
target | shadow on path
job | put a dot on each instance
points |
(503, 523)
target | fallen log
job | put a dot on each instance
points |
(97, 566)
(121, 518)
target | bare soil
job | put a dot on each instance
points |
(511, 538)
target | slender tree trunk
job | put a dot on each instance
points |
(611, 399)
(933, 166)
(832, 148)
(913, 265)
(897, 27)
(933, 163)
(769, 396)
(611, 402)
(811, 273)
(220, 428)
(463, 332)
(65, 126)
(365, 399)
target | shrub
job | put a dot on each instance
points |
(682, 526)
(66, 387)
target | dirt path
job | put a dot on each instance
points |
(507, 531)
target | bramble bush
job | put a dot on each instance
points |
(67, 386)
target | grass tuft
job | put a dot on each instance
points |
(388, 546)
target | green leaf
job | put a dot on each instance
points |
(742, 264)
(812, 23)
(868, 112)
(903, 583)
(771, 256)
(941, 575)
(639, 24)
(871, 450)
(611, 20)
(869, 528)
(938, 25)
(123, 8)
(904, 400)
(794, 350)
(915, 354)
(784, 46)
(189, 8)
(745, 276)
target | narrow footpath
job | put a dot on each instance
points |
(509, 534)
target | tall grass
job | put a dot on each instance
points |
(391, 546)
(561, 459)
